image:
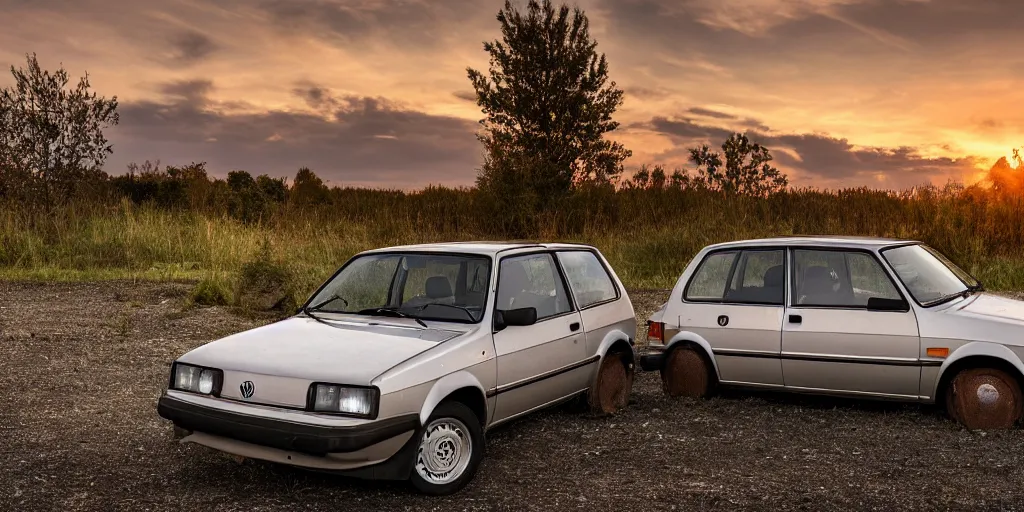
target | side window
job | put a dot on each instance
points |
(711, 278)
(869, 279)
(839, 279)
(588, 279)
(532, 281)
(759, 278)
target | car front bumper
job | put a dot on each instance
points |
(373, 449)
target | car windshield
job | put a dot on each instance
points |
(929, 276)
(445, 287)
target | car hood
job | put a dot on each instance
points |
(991, 307)
(349, 351)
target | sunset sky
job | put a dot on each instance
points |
(879, 93)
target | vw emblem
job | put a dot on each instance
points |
(723, 321)
(247, 388)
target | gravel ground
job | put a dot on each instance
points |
(83, 364)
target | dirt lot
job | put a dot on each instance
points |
(83, 364)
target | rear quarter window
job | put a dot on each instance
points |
(711, 277)
(587, 277)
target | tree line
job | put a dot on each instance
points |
(546, 97)
(548, 109)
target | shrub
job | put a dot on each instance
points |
(208, 292)
(265, 284)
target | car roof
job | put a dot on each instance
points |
(488, 248)
(858, 242)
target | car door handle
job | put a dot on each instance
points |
(575, 326)
(795, 319)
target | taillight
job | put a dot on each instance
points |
(656, 331)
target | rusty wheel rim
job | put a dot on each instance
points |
(613, 385)
(984, 398)
(685, 374)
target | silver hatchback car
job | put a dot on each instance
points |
(399, 363)
(862, 317)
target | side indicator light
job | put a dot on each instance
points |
(937, 351)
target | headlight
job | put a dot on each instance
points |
(353, 401)
(196, 379)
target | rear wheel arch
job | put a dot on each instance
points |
(625, 349)
(697, 343)
(612, 382)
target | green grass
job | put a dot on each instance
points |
(648, 236)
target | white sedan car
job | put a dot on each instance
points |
(400, 362)
(861, 317)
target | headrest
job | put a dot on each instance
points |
(438, 287)
(774, 277)
(513, 276)
(818, 280)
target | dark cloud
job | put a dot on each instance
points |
(190, 47)
(755, 125)
(894, 38)
(465, 95)
(832, 159)
(942, 22)
(357, 139)
(686, 129)
(646, 93)
(420, 22)
(706, 112)
(192, 91)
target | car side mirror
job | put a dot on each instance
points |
(883, 304)
(521, 316)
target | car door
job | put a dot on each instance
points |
(544, 362)
(735, 301)
(832, 340)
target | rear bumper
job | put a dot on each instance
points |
(308, 439)
(652, 361)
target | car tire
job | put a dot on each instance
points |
(686, 373)
(612, 387)
(450, 449)
(984, 398)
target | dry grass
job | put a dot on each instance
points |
(648, 235)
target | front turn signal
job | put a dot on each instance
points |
(937, 351)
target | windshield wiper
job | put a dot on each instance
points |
(389, 312)
(946, 298)
(461, 308)
(326, 302)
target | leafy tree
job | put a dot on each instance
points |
(646, 178)
(679, 180)
(658, 177)
(548, 103)
(640, 178)
(199, 190)
(1005, 176)
(51, 136)
(246, 201)
(275, 189)
(240, 181)
(506, 200)
(746, 168)
(308, 189)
